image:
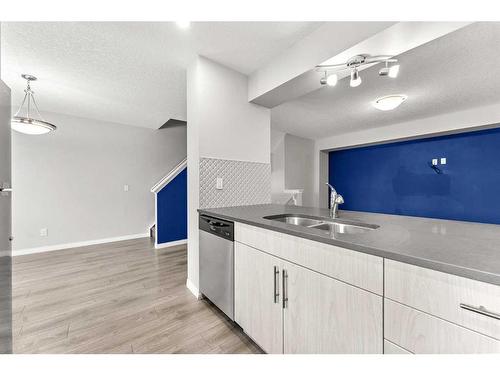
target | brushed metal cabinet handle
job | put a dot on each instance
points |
(480, 310)
(276, 276)
(285, 289)
(5, 190)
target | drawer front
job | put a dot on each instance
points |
(359, 269)
(419, 332)
(390, 348)
(443, 295)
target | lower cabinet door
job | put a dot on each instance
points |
(258, 310)
(323, 315)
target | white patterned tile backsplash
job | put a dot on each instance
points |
(244, 183)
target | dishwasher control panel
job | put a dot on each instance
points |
(216, 226)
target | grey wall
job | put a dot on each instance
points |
(71, 181)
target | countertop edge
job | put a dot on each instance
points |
(468, 273)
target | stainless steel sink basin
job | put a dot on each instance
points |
(333, 226)
(344, 228)
(295, 220)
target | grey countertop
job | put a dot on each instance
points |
(461, 248)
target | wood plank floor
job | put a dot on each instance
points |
(124, 297)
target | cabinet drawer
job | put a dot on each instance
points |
(390, 348)
(419, 332)
(445, 296)
(355, 268)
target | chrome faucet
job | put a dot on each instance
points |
(335, 200)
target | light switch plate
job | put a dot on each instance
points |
(434, 162)
(443, 161)
(219, 185)
(44, 232)
(125, 187)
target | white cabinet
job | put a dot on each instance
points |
(391, 348)
(256, 309)
(456, 299)
(319, 314)
(334, 301)
(432, 312)
(324, 315)
(421, 333)
(353, 267)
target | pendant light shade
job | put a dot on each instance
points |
(28, 124)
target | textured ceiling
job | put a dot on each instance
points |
(130, 72)
(457, 71)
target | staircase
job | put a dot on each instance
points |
(170, 226)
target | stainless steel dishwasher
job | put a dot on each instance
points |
(217, 262)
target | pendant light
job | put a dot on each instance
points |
(27, 124)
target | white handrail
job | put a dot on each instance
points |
(170, 176)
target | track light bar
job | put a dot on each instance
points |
(391, 68)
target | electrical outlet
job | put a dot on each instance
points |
(443, 161)
(434, 162)
(44, 232)
(125, 187)
(220, 184)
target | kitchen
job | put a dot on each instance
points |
(302, 279)
(275, 189)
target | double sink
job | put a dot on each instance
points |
(332, 226)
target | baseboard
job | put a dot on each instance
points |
(193, 289)
(170, 244)
(43, 249)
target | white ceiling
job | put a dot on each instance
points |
(130, 72)
(457, 71)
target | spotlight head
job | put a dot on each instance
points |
(331, 80)
(384, 72)
(323, 80)
(393, 71)
(355, 78)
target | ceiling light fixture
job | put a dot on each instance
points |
(27, 124)
(389, 102)
(183, 24)
(355, 78)
(354, 64)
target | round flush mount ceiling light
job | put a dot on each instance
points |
(28, 124)
(183, 24)
(389, 102)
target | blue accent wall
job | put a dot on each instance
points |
(171, 224)
(396, 178)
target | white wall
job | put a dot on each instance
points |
(223, 125)
(442, 124)
(71, 181)
(230, 127)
